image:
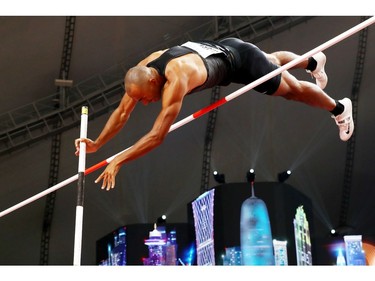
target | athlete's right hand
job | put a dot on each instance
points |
(90, 145)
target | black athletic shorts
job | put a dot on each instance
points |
(251, 64)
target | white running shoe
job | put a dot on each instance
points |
(319, 73)
(345, 120)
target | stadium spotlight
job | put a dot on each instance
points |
(162, 220)
(283, 176)
(219, 178)
(250, 175)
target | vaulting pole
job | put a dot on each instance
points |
(81, 186)
(207, 109)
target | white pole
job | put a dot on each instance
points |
(81, 185)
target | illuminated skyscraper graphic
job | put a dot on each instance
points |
(354, 251)
(281, 253)
(156, 250)
(203, 212)
(171, 249)
(340, 260)
(233, 256)
(302, 238)
(255, 232)
(117, 253)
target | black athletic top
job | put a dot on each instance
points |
(230, 60)
(218, 65)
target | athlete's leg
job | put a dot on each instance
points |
(314, 65)
(310, 94)
(283, 57)
(305, 92)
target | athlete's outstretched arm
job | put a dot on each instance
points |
(115, 123)
(144, 145)
(172, 98)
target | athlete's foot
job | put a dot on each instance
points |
(319, 73)
(345, 120)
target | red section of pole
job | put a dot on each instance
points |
(96, 167)
(207, 109)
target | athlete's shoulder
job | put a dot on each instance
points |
(151, 57)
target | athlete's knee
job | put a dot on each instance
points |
(272, 58)
(290, 88)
